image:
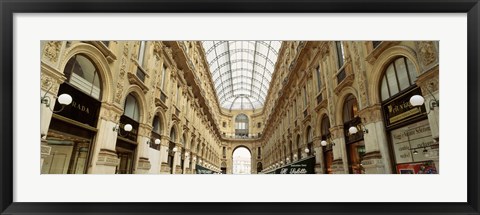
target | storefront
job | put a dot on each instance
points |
(409, 134)
(303, 166)
(127, 141)
(354, 142)
(72, 131)
(412, 148)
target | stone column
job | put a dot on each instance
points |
(377, 157)
(318, 149)
(143, 165)
(178, 159)
(193, 159)
(340, 162)
(105, 160)
(186, 162)
(164, 141)
(50, 82)
(429, 82)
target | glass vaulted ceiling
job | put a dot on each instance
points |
(241, 71)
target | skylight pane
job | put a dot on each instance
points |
(244, 67)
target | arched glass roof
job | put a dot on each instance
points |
(241, 71)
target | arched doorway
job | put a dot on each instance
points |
(241, 126)
(259, 167)
(71, 146)
(224, 168)
(327, 149)
(242, 160)
(127, 143)
(409, 137)
(354, 142)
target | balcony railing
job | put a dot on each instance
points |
(341, 75)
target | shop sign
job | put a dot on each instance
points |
(425, 167)
(202, 170)
(132, 135)
(399, 109)
(83, 109)
(352, 138)
(306, 166)
(406, 139)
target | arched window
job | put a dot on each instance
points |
(325, 127)
(131, 108)
(241, 125)
(350, 108)
(157, 125)
(156, 132)
(399, 75)
(182, 141)
(173, 135)
(83, 75)
(259, 167)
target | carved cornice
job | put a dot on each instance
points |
(133, 79)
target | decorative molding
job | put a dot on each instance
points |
(133, 79)
(376, 52)
(51, 50)
(371, 114)
(426, 52)
(107, 157)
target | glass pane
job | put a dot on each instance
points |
(392, 80)
(384, 89)
(412, 71)
(243, 63)
(402, 73)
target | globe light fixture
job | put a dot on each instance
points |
(307, 150)
(127, 127)
(323, 143)
(417, 100)
(64, 99)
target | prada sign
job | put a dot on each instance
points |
(83, 108)
(399, 109)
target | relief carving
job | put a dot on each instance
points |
(118, 94)
(49, 83)
(427, 52)
(361, 78)
(52, 50)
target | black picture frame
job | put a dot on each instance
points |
(10, 7)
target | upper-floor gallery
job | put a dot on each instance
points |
(186, 107)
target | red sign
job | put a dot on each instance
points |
(425, 167)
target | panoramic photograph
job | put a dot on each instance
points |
(239, 107)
